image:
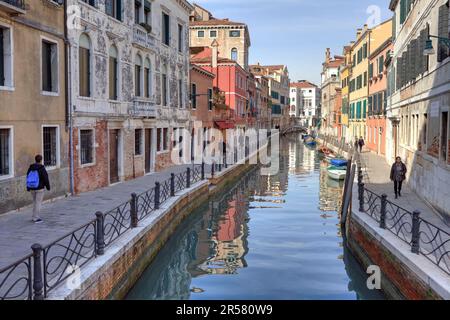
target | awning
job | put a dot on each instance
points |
(222, 125)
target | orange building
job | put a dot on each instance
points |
(376, 118)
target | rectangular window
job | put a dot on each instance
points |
(166, 29)
(166, 139)
(365, 79)
(87, 147)
(137, 80)
(213, 34)
(148, 13)
(50, 146)
(85, 72)
(5, 152)
(200, 33)
(2, 57)
(424, 132)
(113, 8)
(158, 139)
(180, 38)
(137, 11)
(194, 96)
(49, 68)
(235, 33)
(113, 79)
(210, 99)
(180, 93)
(164, 89)
(147, 82)
(138, 142)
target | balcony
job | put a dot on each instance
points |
(13, 7)
(143, 108)
(142, 38)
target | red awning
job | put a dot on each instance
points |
(222, 125)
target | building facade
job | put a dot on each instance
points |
(346, 72)
(330, 81)
(379, 52)
(233, 37)
(295, 96)
(129, 65)
(33, 109)
(309, 102)
(419, 98)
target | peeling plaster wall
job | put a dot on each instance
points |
(130, 40)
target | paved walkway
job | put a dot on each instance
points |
(18, 233)
(377, 179)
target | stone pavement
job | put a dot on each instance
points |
(18, 233)
(376, 173)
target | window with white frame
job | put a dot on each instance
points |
(6, 65)
(85, 66)
(113, 73)
(49, 66)
(113, 8)
(162, 139)
(87, 146)
(147, 78)
(50, 146)
(138, 76)
(6, 154)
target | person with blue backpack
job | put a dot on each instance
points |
(37, 182)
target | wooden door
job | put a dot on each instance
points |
(114, 156)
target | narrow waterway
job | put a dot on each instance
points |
(274, 237)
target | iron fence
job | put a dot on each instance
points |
(424, 238)
(37, 274)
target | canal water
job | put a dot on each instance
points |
(267, 237)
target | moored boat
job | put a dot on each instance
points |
(338, 162)
(336, 173)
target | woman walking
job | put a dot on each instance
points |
(398, 175)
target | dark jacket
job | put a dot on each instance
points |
(361, 142)
(43, 176)
(402, 176)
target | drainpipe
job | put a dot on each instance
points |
(68, 96)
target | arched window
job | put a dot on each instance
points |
(164, 86)
(113, 73)
(234, 54)
(147, 78)
(85, 65)
(138, 76)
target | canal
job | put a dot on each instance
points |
(274, 237)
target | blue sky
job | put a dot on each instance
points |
(296, 32)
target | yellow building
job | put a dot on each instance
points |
(346, 72)
(358, 84)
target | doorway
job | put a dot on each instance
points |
(148, 151)
(114, 156)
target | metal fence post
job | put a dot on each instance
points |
(38, 284)
(100, 234)
(172, 184)
(361, 197)
(383, 211)
(415, 236)
(203, 171)
(157, 195)
(188, 177)
(134, 210)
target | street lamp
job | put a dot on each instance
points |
(429, 50)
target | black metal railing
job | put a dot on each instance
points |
(425, 238)
(37, 274)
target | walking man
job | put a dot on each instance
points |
(37, 182)
(356, 144)
(361, 144)
(398, 175)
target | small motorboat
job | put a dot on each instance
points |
(339, 162)
(310, 142)
(336, 173)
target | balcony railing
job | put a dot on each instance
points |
(13, 6)
(142, 38)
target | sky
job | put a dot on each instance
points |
(297, 32)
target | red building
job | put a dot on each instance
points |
(230, 79)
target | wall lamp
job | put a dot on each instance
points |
(429, 50)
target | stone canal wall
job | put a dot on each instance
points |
(404, 275)
(112, 275)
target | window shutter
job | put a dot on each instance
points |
(399, 74)
(402, 11)
(2, 54)
(443, 51)
(404, 68)
(54, 67)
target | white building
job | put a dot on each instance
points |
(418, 105)
(295, 97)
(308, 102)
(129, 67)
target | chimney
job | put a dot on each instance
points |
(215, 53)
(358, 33)
(327, 55)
